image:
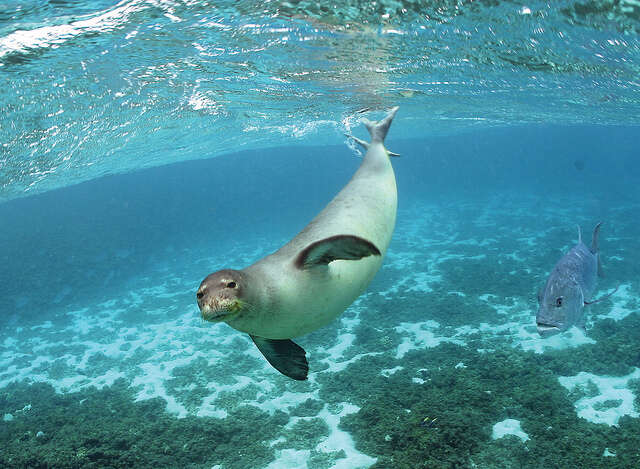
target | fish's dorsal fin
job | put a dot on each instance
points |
(284, 355)
(594, 239)
(343, 247)
(579, 234)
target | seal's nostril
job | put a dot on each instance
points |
(199, 294)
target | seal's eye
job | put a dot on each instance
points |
(231, 285)
(559, 302)
(199, 294)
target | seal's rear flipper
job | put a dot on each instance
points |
(360, 142)
(365, 145)
(378, 130)
(284, 355)
(344, 247)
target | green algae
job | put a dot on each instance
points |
(55, 369)
(305, 434)
(506, 382)
(581, 391)
(191, 383)
(634, 386)
(615, 353)
(322, 460)
(467, 401)
(229, 400)
(608, 404)
(106, 428)
(100, 364)
(308, 408)
(373, 338)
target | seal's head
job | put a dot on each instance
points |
(220, 295)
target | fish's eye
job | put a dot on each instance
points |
(559, 302)
(231, 285)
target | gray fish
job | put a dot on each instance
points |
(569, 288)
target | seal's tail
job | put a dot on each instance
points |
(378, 130)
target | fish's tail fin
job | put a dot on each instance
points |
(378, 130)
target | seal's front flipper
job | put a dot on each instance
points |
(344, 247)
(284, 355)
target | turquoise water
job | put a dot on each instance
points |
(145, 144)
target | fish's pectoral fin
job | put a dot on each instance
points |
(586, 303)
(540, 294)
(343, 247)
(284, 355)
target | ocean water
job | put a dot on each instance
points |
(146, 144)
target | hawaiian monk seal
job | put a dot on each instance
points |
(314, 277)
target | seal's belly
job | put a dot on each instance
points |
(321, 295)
